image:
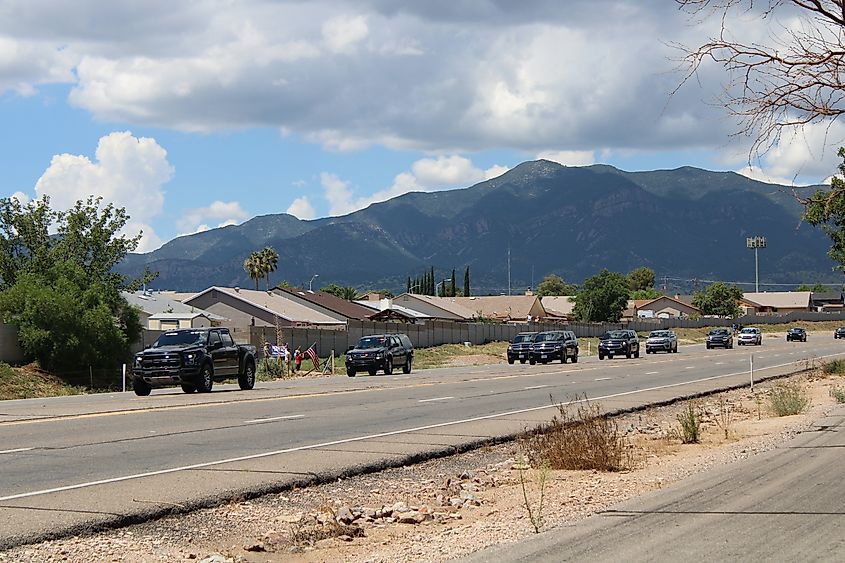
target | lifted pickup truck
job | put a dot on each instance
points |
(194, 358)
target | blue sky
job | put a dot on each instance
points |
(206, 114)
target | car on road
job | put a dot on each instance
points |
(520, 346)
(617, 342)
(796, 334)
(194, 358)
(554, 345)
(380, 352)
(839, 332)
(749, 335)
(720, 338)
(661, 341)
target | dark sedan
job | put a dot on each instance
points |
(796, 335)
(840, 332)
(720, 338)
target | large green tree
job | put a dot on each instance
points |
(60, 289)
(602, 297)
(719, 299)
(553, 284)
(641, 279)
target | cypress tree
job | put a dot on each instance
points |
(432, 282)
(454, 289)
(466, 282)
(409, 285)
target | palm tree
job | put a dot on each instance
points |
(253, 268)
(269, 262)
(348, 293)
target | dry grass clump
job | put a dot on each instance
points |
(834, 367)
(585, 439)
(788, 398)
(309, 530)
(690, 421)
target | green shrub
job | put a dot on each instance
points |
(834, 367)
(788, 398)
(270, 368)
(838, 394)
(690, 422)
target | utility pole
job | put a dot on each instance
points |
(509, 268)
(756, 243)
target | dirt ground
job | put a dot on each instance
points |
(449, 507)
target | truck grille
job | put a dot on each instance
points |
(161, 362)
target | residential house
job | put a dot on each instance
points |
(328, 304)
(245, 307)
(664, 307)
(505, 308)
(828, 301)
(776, 302)
(431, 307)
(161, 312)
(386, 310)
(558, 306)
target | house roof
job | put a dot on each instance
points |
(180, 316)
(348, 309)
(827, 296)
(276, 304)
(447, 304)
(558, 305)
(156, 304)
(377, 307)
(649, 302)
(501, 306)
(780, 299)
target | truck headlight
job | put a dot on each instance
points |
(137, 363)
(190, 359)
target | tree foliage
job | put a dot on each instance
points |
(602, 297)
(344, 292)
(553, 284)
(60, 290)
(641, 279)
(719, 299)
(826, 209)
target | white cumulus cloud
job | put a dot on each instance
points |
(341, 33)
(22, 198)
(569, 158)
(302, 208)
(221, 213)
(127, 171)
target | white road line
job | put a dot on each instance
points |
(689, 367)
(719, 363)
(603, 378)
(652, 372)
(372, 436)
(535, 387)
(16, 450)
(435, 399)
(289, 417)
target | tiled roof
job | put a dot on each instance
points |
(278, 305)
(780, 299)
(348, 309)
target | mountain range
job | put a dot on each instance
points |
(538, 218)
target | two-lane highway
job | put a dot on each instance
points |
(74, 462)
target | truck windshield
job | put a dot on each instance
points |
(372, 342)
(180, 338)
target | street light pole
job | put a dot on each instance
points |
(439, 284)
(756, 243)
(312, 280)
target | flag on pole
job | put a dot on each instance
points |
(312, 353)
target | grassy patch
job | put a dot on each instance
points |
(438, 356)
(30, 382)
(583, 440)
(834, 367)
(690, 422)
(788, 398)
(838, 394)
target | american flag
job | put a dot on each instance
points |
(312, 353)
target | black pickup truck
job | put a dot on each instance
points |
(194, 358)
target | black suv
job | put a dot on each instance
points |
(721, 337)
(796, 333)
(620, 341)
(520, 347)
(380, 351)
(554, 345)
(839, 332)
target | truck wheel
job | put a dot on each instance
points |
(371, 371)
(206, 381)
(637, 353)
(511, 360)
(246, 380)
(575, 359)
(532, 361)
(407, 367)
(188, 388)
(563, 357)
(141, 388)
(388, 366)
(350, 372)
(601, 356)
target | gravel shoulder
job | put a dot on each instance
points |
(445, 508)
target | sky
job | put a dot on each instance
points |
(194, 115)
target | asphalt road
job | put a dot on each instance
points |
(783, 505)
(73, 464)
